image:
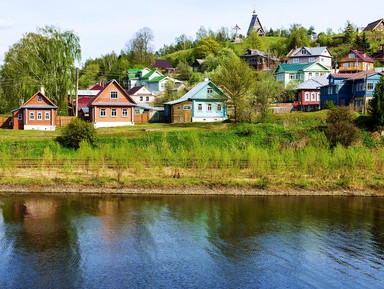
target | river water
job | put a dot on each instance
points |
(191, 242)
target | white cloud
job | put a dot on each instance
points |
(7, 22)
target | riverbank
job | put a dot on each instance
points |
(220, 191)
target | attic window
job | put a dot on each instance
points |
(113, 94)
(351, 55)
(303, 51)
(39, 98)
(209, 90)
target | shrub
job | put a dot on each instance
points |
(245, 129)
(77, 131)
(341, 129)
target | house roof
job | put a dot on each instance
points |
(295, 67)
(156, 79)
(87, 92)
(359, 54)
(49, 104)
(193, 92)
(314, 83)
(255, 20)
(313, 51)
(163, 63)
(82, 102)
(353, 76)
(372, 26)
(113, 81)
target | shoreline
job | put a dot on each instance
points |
(179, 191)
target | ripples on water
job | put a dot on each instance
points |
(191, 242)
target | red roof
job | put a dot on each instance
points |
(363, 56)
(134, 89)
(357, 75)
(83, 102)
(98, 86)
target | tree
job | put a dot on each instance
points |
(140, 47)
(349, 33)
(377, 103)
(206, 46)
(43, 59)
(238, 80)
(267, 90)
(298, 37)
(254, 41)
(213, 61)
(341, 128)
(362, 43)
(89, 75)
(77, 131)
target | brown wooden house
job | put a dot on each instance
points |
(355, 61)
(38, 113)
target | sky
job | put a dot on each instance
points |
(106, 26)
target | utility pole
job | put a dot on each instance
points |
(77, 92)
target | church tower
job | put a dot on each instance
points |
(256, 25)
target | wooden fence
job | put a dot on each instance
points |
(63, 120)
(5, 122)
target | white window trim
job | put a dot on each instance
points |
(31, 115)
(103, 112)
(113, 112)
(47, 113)
(124, 112)
(114, 92)
(19, 116)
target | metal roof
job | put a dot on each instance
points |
(314, 83)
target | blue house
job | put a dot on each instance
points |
(206, 102)
(354, 89)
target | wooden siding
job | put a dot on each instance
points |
(179, 114)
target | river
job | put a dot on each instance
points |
(191, 242)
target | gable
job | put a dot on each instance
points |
(316, 67)
(39, 100)
(112, 94)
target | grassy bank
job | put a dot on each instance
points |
(291, 153)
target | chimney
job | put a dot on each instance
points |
(42, 90)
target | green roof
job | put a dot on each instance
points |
(148, 75)
(156, 79)
(293, 66)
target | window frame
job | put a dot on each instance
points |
(124, 112)
(19, 116)
(31, 115)
(47, 113)
(114, 94)
(114, 112)
(103, 112)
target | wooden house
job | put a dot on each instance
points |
(206, 102)
(377, 25)
(379, 55)
(299, 73)
(112, 107)
(38, 113)
(308, 93)
(355, 61)
(142, 95)
(306, 55)
(260, 60)
(164, 65)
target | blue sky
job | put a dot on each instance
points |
(106, 26)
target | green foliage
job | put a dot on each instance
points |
(349, 33)
(254, 41)
(206, 46)
(377, 103)
(298, 37)
(329, 104)
(45, 58)
(77, 131)
(341, 128)
(245, 129)
(140, 47)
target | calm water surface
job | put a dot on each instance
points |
(191, 242)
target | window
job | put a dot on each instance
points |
(114, 112)
(20, 116)
(313, 96)
(199, 107)
(102, 112)
(141, 98)
(295, 60)
(310, 74)
(330, 90)
(39, 98)
(345, 64)
(303, 51)
(306, 96)
(31, 115)
(351, 55)
(147, 98)
(311, 59)
(318, 96)
(209, 108)
(47, 115)
(370, 86)
(187, 107)
(124, 112)
(219, 108)
(113, 94)
(209, 90)
(292, 76)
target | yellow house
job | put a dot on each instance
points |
(355, 61)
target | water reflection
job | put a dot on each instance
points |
(178, 242)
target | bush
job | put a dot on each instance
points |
(77, 131)
(341, 129)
